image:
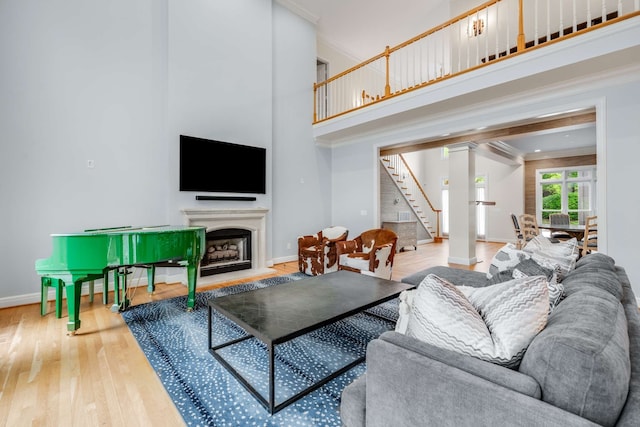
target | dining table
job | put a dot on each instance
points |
(574, 230)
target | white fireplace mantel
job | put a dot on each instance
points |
(251, 219)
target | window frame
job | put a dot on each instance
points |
(565, 181)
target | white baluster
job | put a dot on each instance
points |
(548, 21)
(604, 11)
(575, 17)
(508, 25)
(535, 23)
(459, 45)
(588, 13)
(561, 16)
(497, 31)
(486, 35)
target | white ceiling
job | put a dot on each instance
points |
(362, 29)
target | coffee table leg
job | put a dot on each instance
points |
(272, 387)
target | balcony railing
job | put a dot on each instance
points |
(492, 32)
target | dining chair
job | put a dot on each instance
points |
(516, 229)
(589, 242)
(559, 219)
(529, 226)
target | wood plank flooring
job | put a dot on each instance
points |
(100, 376)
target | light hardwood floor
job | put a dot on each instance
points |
(100, 376)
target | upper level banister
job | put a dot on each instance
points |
(491, 32)
(445, 25)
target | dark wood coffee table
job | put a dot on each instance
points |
(279, 313)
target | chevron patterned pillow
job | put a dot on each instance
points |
(493, 323)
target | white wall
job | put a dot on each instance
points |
(301, 169)
(505, 186)
(79, 82)
(117, 82)
(219, 85)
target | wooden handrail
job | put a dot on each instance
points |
(437, 238)
(452, 69)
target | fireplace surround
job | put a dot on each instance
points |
(250, 220)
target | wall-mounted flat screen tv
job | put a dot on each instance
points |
(221, 167)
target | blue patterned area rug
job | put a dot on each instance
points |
(175, 343)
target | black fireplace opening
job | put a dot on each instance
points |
(228, 249)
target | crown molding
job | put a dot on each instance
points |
(299, 10)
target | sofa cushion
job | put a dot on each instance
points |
(597, 259)
(495, 323)
(353, 403)
(581, 359)
(458, 276)
(594, 270)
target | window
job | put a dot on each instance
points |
(566, 190)
(481, 213)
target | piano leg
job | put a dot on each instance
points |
(192, 277)
(105, 287)
(151, 274)
(116, 292)
(120, 301)
(74, 291)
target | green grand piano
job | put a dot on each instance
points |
(92, 254)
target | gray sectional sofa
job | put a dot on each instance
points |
(583, 369)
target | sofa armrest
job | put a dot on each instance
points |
(409, 383)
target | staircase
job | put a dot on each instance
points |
(401, 174)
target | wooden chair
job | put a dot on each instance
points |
(516, 229)
(529, 227)
(559, 219)
(589, 242)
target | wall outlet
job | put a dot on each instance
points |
(363, 212)
(288, 245)
(91, 164)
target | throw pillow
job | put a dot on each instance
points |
(494, 323)
(564, 264)
(555, 287)
(505, 259)
(542, 244)
(528, 267)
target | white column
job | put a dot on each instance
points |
(462, 207)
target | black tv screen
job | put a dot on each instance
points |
(221, 167)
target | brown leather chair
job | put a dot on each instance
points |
(317, 252)
(370, 253)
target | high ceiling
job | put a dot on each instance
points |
(362, 29)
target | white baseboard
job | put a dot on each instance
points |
(282, 260)
(34, 298)
(462, 261)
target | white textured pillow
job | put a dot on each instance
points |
(542, 244)
(506, 258)
(494, 323)
(564, 263)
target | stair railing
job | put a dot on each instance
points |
(413, 192)
(491, 32)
